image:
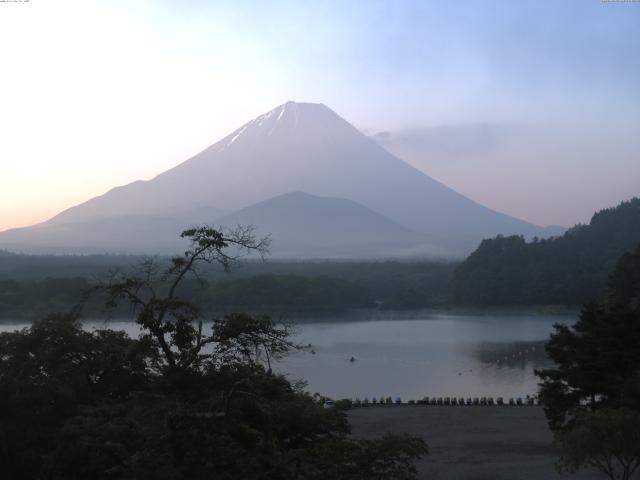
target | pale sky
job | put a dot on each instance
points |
(531, 107)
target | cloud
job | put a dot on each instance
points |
(550, 174)
(446, 143)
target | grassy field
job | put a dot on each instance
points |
(472, 443)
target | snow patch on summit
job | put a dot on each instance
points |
(283, 118)
(237, 135)
(296, 114)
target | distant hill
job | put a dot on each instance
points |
(297, 147)
(570, 269)
(307, 226)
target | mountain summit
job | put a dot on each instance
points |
(297, 147)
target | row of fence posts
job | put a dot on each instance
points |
(528, 400)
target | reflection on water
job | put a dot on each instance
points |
(512, 354)
(439, 354)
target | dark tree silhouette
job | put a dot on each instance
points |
(607, 439)
(597, 359)
(153, 292)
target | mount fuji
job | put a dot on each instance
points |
(357, 198)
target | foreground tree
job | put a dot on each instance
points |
(592, 396)
(598, 359)
(153, 291)
(49, 373)
(607, 439)
(180, 402)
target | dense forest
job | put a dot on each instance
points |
(277, 288)
(571, 269)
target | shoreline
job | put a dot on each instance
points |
(361, 315)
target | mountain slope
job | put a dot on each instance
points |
(306, 147)
(571, 269)
(136, 233)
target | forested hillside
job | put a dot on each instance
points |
(571, 269)
(31, 286)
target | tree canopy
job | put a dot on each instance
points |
(597, 360)
(606, 439)
(591, 396)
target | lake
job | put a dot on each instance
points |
(429, 354)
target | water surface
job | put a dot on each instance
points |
(431, 354)
(438, 355)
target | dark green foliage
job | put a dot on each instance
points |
(624, 283)
(390, 457)
(571, 269)
(598, 359)
(40, 297)
(48, 372)
(607, 439)
(286, 293)
(181, 402)
(597, 364)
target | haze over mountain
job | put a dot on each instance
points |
(135, 233)
(297, 147)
